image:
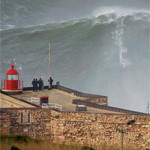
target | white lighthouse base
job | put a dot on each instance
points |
(11, 91)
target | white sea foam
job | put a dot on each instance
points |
(107, 15)
(120, 11)
(19, 67)
(6, 27)
(117, 36)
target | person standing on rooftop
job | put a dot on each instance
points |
(42, 86)
(33, 83)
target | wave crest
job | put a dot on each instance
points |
(119, 12)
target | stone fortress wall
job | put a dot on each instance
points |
(76, 127)
(99, 99)
(91, 129)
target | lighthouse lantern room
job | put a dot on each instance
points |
(12, 84)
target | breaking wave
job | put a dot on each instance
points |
(102, 50)
(115, 18)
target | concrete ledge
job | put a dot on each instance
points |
(89, 104)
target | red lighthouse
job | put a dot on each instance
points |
(12, 84)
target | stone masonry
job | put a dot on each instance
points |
(75, 127)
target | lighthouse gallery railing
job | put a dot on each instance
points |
(4, 85)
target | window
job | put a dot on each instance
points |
(12, 77)
(25, 117)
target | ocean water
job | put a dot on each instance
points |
(101, 48)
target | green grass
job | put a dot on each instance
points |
(27, 143)
(17, 138)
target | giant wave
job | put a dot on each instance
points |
(106, 53)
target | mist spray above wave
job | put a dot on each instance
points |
(120, 12)
(117, 36)
(118, 16)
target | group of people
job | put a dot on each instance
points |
(38, 84)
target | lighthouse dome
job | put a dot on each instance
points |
(12, 71)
